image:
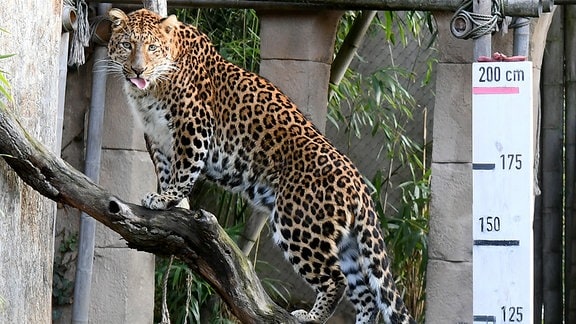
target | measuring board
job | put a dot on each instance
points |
(503, 193)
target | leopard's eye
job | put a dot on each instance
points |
(152, 47)
(126, 45)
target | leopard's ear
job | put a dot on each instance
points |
(118, 18)
(169, 23)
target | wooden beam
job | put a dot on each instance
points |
(434, 5)
(521, 8)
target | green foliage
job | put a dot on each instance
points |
(381, 103)
(64, 260)
(378, 102)
(405, 235)
(234, 33)
(4, 84)
(189, 297)
(406, 27)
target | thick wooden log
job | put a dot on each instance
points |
(518, 8)
(195, 237)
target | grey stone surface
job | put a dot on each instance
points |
(129, 175)
(450, 48)
(450, 236)
(298, 35)
(296, 78)
(453, 114)
(123, 282)
(122, 129)
(449, 271)
(449, 288)
(122, 289)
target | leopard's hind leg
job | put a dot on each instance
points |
(316, 261)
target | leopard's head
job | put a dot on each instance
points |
(141, 46)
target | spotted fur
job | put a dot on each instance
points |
(204, 116)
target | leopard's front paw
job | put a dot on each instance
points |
(304, 317)
(157, 201)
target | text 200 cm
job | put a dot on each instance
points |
(494, 74)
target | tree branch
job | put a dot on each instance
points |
(193, 236)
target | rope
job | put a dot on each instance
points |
(517, 22)
(482, 24)
(165, 312)
(189, 281)
(81, 35)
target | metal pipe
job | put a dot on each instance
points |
(69, 18)
(483, 44)
(517, 7)
(522, 8)
(521, 37)
(84, 265)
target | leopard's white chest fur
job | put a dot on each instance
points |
(154, 119)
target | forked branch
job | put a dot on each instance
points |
(193, 236)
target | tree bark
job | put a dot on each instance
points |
(193, 236)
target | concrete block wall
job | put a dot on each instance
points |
(296, 52)
(123, 279)
(449, 275)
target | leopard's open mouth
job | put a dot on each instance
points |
(139, 82)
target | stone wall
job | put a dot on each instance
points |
(449, 274)
(123, 279)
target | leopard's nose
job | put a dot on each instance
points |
(138, 70)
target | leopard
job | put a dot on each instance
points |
(205, 118)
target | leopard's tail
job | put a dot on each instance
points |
(376, 266)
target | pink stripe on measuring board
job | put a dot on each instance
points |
(495, 90)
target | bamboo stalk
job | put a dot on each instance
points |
(350, 46)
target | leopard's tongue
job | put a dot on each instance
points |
(139, 82)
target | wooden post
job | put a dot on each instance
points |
(27, 218)
(551, 182)
(570, 144)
